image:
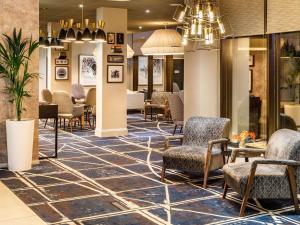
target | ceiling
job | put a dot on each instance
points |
(160, 11)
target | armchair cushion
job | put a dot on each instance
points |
(270, 181)
(191, 158)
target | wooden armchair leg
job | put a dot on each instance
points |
(46, 123)
(206, 172)
(225, 190)
(174, 130)
(163, 172)
(246, 194)
(71, 124)
(293, 187)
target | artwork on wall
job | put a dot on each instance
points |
(250, 80)
(120, 38)
(115, 59)
(116, 49)
(87, 70)
(61, 73)
(115, 74)
(61, 61)
(251, 60)
(157, 71)
(111, 38)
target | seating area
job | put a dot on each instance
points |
(138, 112)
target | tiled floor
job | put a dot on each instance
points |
(116, 181)
(14, 212)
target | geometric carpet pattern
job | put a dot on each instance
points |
(116, 181)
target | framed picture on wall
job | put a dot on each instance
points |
(143, 71)
(111, 38)
(87, 70)
(250, 80)
(115, 58)
(61, 61)
(120, 38)
(115, 74)
(251, 60)
(61, 73)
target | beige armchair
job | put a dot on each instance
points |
(176, 110)
(78, 93)
(47, 98)
(47, 95)
(66, 109)
(157, 105)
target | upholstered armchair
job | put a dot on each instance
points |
(47, 95)
(176, 110)
(66, 108)
(78, 94)
(90, 103)
(275, 176)
(157, 105)
(203, 144)
(47, 98)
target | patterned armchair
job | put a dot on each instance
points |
(203, 143)
(157, 105)
(270, 178)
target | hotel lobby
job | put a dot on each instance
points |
(149, 112)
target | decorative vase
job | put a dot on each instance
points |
(19, 144)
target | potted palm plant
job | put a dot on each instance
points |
(15, 54)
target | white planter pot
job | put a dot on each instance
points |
(19, 144)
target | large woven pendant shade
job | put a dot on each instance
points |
(163, 42)
(130, 52)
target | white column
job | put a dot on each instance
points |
(201, 83)
(111, 97)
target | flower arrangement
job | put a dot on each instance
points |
(244, 137)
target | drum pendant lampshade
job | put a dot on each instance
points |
(163, 42)
(100, 36)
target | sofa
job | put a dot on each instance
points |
(135, 100)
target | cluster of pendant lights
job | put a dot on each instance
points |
(201, 22)
(80, 35)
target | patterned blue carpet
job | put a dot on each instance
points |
(116, 181)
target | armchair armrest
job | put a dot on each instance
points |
(172, 138)
(276, 162)
(148, 101)
(246, 152)
(219, 141)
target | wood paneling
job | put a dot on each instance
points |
(169, 73)
(150, 76)
(135, 73)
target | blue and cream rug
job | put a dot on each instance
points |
(116, 181)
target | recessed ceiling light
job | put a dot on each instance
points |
(147, 10)
(140, 27)
(80, 5)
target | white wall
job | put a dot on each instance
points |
(42, 70)
(201, 84)
(111, 97)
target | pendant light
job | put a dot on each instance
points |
(79, 35)
(62, 33)
(42, 42)
(101, 36)
(163, 42)
(94, 33)
(87, 36)
(70, 36)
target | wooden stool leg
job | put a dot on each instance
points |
(225, 190)
(163, 172)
